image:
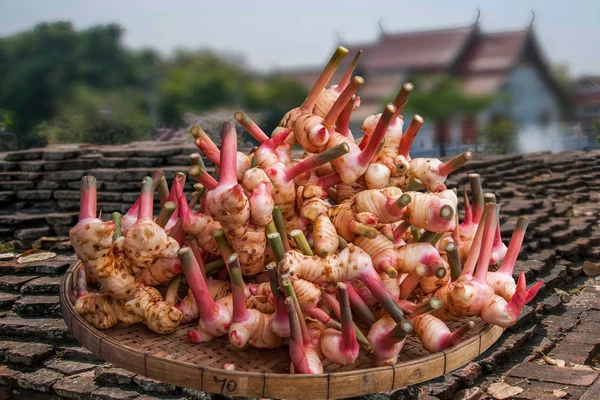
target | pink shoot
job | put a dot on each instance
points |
(88, 204)
(456, 336)
(399, 232)
(467, 227)
(348, 332)
(212, 315)
(409, 136)
(514, 247)
(359, 306)
(346, 78)
(330, 180)
(499, 248)
(343, 124)
(487, 242)
(171, 295)
(475, 249)
(146, 199)
(163, 190)
(378, 134)
(316, 161)
(396, 334)
(340, 103)
(411, 281)
(205, 143)
(240, 311)
(203, 177)
(227, 176)
(324, 79)
(477, 196)
(165, 214)
(402, 98)
(453, 259)
(251, 127)
(193, 244)
(82, 289)
(280, 322)
(296, 342)
(425, 307)
(454, 163)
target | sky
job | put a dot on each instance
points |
(274, 34)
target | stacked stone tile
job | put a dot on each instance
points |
(560, 193)
(39, 188)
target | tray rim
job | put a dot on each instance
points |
(270, 385)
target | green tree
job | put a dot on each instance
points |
(39, 68)
(499, 134)
(97, 117)
(439, 98)
(280, 95)
(562, 76)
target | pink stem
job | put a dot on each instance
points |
(340, 103)
(146, 199)
(134, 210)
(171, 295)
(398, 206)
(346, 78)
(240, 311)
(402, 98)
(454, 163)
(359, 306)
(367, 154)
(193, 244)
(409, 136)
(228, 164)
(81, 282)
(331, 302)
(87, 205)
(397, 334)
(200, 175)
(251, 127)
(348, 333)
(206, 305)
(374, 283)
(456, 336)
(514, 247)
(296, 343)
(330, 180)
(399, 232)
(323, 317)
(324, 79)
(316, 161)
(468, 212)
(211, 151)
(343, 124)
(475, 249)
(487, 243)
(477, 195)
(411, 281)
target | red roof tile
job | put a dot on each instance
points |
(482, 83)
(494, 51)
(413, 50)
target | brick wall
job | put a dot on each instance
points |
(39, 188)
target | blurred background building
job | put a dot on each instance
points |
(506, 73)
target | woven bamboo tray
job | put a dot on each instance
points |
(259, 372)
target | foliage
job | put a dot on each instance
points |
(60, 84)
(499, 134)
(439, 98)
(561, 74)
(98, 117)
(595, 127)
